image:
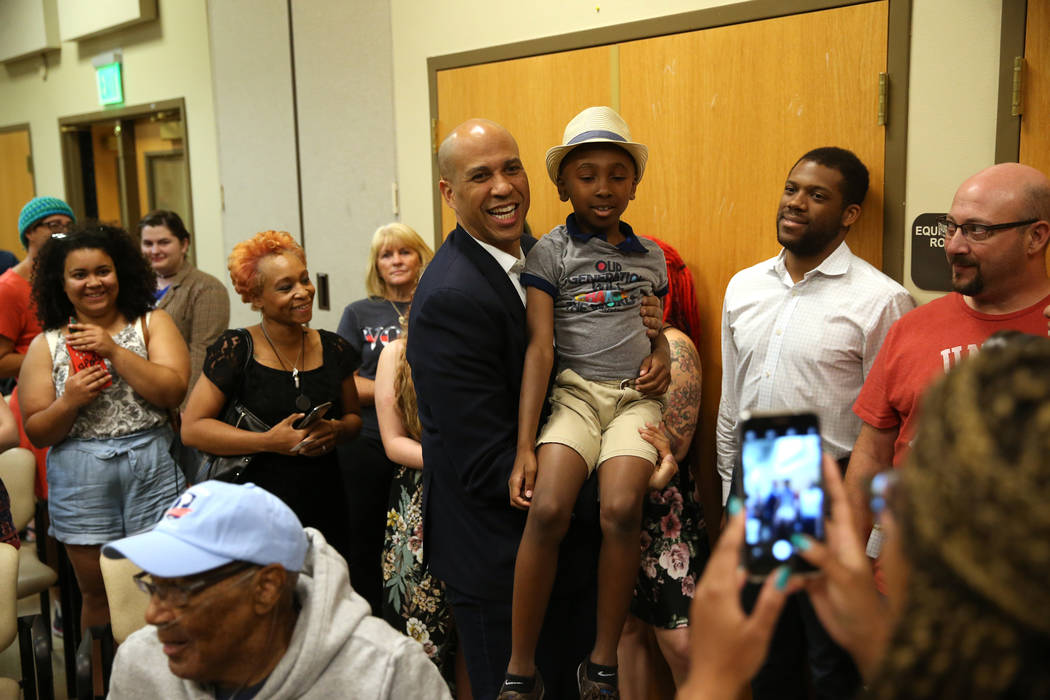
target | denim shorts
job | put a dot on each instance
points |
(102, 490)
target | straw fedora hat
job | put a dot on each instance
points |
(596, 125)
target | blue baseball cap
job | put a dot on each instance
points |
(215, 523)
(39, 208)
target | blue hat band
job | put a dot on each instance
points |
(596, 134)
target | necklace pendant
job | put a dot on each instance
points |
(295, 377)
(302, 404)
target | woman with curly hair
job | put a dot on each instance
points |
(966, 552)
(280, 369)
(96, 387)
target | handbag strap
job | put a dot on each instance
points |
(246, 335)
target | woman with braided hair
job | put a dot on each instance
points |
(674, 537)
(973, 530)
(966, 553)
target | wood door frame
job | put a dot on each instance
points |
(1011, 45)
(24, 126)
(897, 67)
(123, 115)
(33, 164)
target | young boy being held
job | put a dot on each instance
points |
(584, 281)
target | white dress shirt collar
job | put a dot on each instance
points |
(507, 261)
(832, 266)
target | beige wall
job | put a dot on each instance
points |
(955, 63)
(162, 60)
(954, 58)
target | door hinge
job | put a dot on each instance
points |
(1016, 108)
(29, 164)
(880, 117)
(434, 136)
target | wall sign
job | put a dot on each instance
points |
(929, 268)
(108, 78)
(110, 86)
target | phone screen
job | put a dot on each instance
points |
(783, 489)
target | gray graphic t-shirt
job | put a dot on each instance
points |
(597, 288)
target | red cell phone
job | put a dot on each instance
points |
(82, 359)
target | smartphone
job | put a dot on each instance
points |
(315, 414)
(82, 359)
(783, 488)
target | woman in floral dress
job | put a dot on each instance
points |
(674, 539)
(413, 600)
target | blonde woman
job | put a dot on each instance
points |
(395, 262)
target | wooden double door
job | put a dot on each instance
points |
(725, 112)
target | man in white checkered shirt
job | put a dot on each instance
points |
(800, 332)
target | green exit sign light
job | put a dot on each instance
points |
(110, 85)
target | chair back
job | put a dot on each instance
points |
(18, 472)
(8, 594)
(127, 604)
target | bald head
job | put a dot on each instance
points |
(470, 130)
(1005, 271)
(484, 182)
(1020, 190)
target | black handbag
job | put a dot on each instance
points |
(231, 468)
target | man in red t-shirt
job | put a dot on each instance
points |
(40, 218)
(995, 238)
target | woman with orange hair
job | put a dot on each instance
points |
(280, 369)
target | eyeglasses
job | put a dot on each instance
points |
(55, 226)
(178, 594)
(946, 228)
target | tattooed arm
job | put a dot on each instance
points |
(683, 396)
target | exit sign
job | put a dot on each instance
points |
(110, 85)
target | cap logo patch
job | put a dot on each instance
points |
(182, 506)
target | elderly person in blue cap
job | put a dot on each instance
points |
(245, 602)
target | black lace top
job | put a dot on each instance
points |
(270, 393)
(311, 486)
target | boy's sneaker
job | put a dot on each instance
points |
(508, 691)
(595, 690)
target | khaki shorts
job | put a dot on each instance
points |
(600, 420)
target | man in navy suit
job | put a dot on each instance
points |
(466, 346)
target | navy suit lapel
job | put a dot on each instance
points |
(493, 273)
